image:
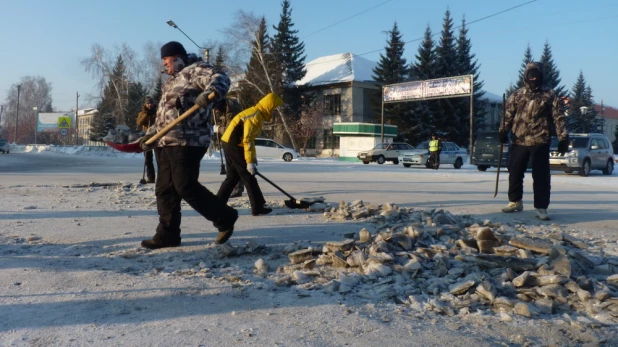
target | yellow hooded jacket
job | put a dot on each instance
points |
(247, 125)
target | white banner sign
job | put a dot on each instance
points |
(403, 91)
(49, 121)
(430, 89)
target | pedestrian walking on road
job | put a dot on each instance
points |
(181, 150)
(529, 114)
(238, 143)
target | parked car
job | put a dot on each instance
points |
(267, 148)
(451, 154)
(586, 152)
(486, 151)
(4, 146)
(384, 152)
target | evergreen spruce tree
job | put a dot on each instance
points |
(392, 68)
(520, 80)
(424, 66)
(220, 59)
(157, 93)
(422, 69)
(289, 67)
(468, 65)
(581, 96)
(255, 84)
(136, 97)
(551, 74)
(288, 49)
(445, 111)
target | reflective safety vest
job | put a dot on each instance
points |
(433, 145)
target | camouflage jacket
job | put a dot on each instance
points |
(179, 94)
(529, 116)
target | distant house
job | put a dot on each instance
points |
(610, 116)
(84, 121)
(343, 83)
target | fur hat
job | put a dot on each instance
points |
(148, 100)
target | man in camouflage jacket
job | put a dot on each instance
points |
(181, 150)
(530, 112)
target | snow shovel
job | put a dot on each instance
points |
(143, 180)
(134, 147)
(501, 144)
(292, 203)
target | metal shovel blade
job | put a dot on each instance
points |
(298, 204)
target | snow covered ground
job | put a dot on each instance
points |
(72, 272)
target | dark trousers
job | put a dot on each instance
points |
(148, 161)
(237, 172)
(238, 189)
(179, 169)
(435, 159)
(541, 179)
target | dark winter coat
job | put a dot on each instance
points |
(224, 111)
(530, 113)
(179, 94)
(146, 118)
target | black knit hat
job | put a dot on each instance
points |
(171, 49)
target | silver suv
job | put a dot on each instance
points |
(586, 152)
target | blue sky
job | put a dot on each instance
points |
(49, 38)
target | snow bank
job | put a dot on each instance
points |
(105, 151)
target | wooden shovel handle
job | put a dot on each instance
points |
(176, 121)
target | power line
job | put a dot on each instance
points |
(345, 19)
(459, 26)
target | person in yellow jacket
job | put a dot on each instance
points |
(435, 147)
(238, 143)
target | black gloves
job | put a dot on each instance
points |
(563, 146)
(202, 100)
(503, 136)
(144, 146)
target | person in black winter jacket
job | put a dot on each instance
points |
(146, 119)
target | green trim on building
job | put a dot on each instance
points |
(364, 129)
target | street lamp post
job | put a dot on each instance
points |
(36, 123)
(206, 50)
(584, 111)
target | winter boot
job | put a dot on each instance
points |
(513, 206)
(150, 180)
(261, 211)
(541, 213)
(156, 244)
(226, 232)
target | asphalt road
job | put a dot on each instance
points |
(578, 202)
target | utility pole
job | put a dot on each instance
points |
(76, 122)
(17, 115)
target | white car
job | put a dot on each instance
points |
(451, 154)
(267, 148)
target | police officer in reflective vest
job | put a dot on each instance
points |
(435, 147)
